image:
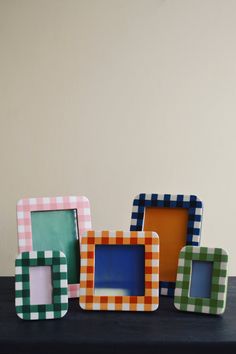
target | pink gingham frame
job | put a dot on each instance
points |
(24, 229)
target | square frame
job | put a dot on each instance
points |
(59, 306)
(150, 300)
(24, 228)
(190, 202)
(215, 305)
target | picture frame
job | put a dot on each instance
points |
(216, 302)
(189, 211)
(59, 306)
(147, 302)
(29, 208)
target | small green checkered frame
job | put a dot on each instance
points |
(214, 305)
(58, 263)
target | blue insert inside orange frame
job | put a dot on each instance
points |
(119, 270)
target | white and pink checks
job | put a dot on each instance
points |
(26, 206)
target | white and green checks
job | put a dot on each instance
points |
(58, 263)
(217, 301)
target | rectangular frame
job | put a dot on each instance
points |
(26, 206)
(190, 202)
(215, 305)
(59, 306)
(150, 300)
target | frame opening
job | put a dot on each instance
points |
(201, 279)
(119, 270)
(171, 226)
(40, 285)
(58, 230)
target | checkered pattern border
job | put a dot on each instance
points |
(150, 300)
(26, 206)
(214, 305)
(190, 202)
(59, 306)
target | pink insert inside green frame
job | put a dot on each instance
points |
(26, 208)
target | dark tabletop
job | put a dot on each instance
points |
(163, 331)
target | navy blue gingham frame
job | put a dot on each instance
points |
(190, 202)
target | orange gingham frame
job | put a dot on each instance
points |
(150, 300)
(24, 229)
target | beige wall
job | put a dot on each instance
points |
(110, 98)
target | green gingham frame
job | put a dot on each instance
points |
(215, 305)
(58, 263)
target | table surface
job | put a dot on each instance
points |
(163, 331)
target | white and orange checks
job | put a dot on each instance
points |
(150, 300)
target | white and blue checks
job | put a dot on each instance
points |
(190, 202)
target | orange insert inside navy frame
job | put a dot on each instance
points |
(171, 226)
